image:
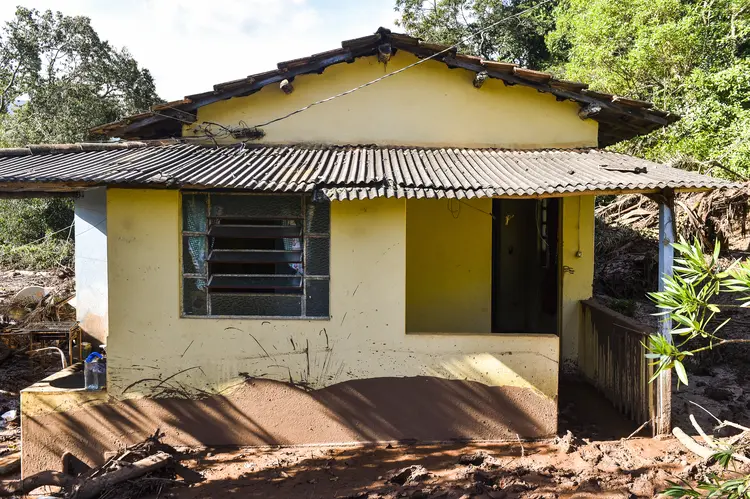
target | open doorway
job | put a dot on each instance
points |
(525, 265)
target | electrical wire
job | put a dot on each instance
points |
(477, 209)
(394, 73)
(15, 248)
(48, 236)
(377, 80)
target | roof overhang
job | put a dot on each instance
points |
(619, 118)
(342, 172)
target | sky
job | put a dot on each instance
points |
(189, 45)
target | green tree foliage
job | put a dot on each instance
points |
(691, 57)
(520, 39)
(36, 234)
(688, 56)
(58, 79)
(70, 79)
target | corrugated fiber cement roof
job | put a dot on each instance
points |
(341, 172)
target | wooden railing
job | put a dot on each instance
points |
(612, 358)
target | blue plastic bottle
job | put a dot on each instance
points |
(94, 371)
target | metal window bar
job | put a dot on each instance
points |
(216, 283)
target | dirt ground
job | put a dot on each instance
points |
(593, 458)
(636, 468)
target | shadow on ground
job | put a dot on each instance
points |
(512, 470)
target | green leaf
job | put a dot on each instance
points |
(681, 373)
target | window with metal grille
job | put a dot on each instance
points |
(255, 255)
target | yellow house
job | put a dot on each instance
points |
(283, 260)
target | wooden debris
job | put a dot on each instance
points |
(45, 478)
(141, 469)
(699, 450)
(691, 445)
(95, 486)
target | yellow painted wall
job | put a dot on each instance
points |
(365, 337)
(428, 105)
(448, 266)
(578, 271)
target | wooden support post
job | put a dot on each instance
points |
(667, 236)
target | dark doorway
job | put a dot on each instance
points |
(525, 265)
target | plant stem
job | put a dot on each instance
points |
(722, 342)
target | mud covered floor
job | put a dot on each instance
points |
(593, 460)
(633, 468)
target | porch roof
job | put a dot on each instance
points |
(340, 172)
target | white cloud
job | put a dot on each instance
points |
(189, 45)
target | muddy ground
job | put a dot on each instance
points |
(636, 468)
(593, 458)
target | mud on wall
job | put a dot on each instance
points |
(261, 412)
(364, 338)
(357, 377)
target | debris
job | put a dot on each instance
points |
(10, 463)
(31, 294)
(638, 430)
(140, 469)
(408, 475)
(482, 477)
(93, 487)
(23, 487)
(475, 459)
(567, 443)
(699, 450)
(10, 416)
(592, 454)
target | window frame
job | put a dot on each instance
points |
(305, 199)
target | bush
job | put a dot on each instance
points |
(40, 256)
(33, 233)
(23, 221)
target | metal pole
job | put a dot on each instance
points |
(667, 233)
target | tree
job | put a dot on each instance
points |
(690, 57)
(69, 78)
(520, 39)
(58, 79)
(691, 300)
